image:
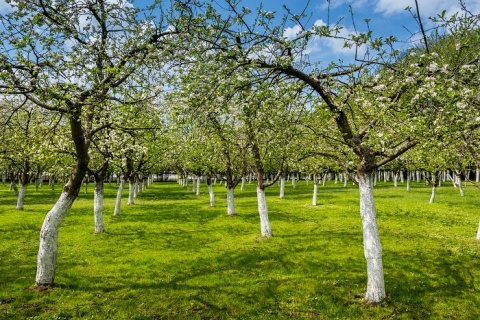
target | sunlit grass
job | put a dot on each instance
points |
(171, 256)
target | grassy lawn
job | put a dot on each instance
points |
(171, 256)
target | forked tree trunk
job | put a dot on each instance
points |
(265, 228)
(282, 187)
(98, 206)
(21, 196)
(230, 202)
(118, 200)
(371, 240)
(48, 250)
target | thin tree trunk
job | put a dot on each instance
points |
(282, 187)
(315, 191)
(210, 193)
(243, 183)
(118, 200)
(371, 240)
(21, 196)
(230, 202)
(478, 232)
(434, 193)
(13, 186)
(265, 228)
(408, 181)
(345, 179)
(98, 206)
(197, 192)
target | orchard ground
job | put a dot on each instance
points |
(171, 256)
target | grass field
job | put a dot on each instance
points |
(171, 256)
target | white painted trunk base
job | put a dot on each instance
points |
(371, 241)
(211, 195)
(282, 187)
(244, 179)
(118, 200)
(315, 192)
(230, 202)
(197, 191)
(434, 193)
(98, 207)
(265, 228)
(48, 249)
(131, 192)
(478, 232)
(21, 196)
(408, 182)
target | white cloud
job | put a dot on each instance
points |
(291, 33)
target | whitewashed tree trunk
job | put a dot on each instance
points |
(418, 176)
(408, 181)
(371, 240)
(458, 179)
(244, 179)
(4, 178)
(434, 193)
(477, 175)
(211, 195)
(98, 207)
(48, 249)
(401, 177)
(282, 187)
(395, 179)
(294, 181)
(315, 192)
(118, 200)
(13, 186)
(478, 232)
(37, 184)
(131, 192)
(265, 228)
(336, 178)
(197, 191)
(345, 179)
(21, 196)
(230, 202)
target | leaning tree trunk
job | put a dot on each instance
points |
(230, 201)
(13, 186)
(98, 206)
(118, 200)
(263, 212)
(371, 240)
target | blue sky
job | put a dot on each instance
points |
(387, 17)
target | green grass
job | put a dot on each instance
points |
(171, 256)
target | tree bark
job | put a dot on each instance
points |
(265, 228)
(197, 191)
(433, 194)
(315, 190)
(118, 200)
(21, 196)
(478, 232)
(371, 240)
(408, 181)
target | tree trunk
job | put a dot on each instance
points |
(197, 191)
(21, 196)
(315, 191)
(371, 240)
(131, 192)
(13, 186)
(211, 194)
(434, 193)
(118, 200)
(345, 179)
(263, 212)
(48, 250)
(408, 181)
(282, 187)
(243, 183)
(98, 206)
(478, 232)
(395, 179)
(230, 202)
(458, 177)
